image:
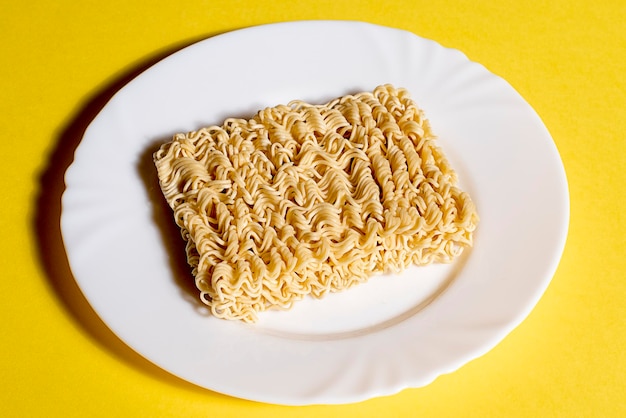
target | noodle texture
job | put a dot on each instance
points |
(308, 199)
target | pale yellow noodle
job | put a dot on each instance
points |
(308, 199)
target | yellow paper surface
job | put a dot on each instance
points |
(61, 61)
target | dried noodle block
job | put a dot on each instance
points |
(307, 199)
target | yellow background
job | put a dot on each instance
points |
(60, 62)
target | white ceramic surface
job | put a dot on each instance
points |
(376, 339)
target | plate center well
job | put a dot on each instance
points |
(380, 302)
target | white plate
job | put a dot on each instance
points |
(376, 339)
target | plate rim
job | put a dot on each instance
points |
(511, 325)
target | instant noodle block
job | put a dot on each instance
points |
(306, 199)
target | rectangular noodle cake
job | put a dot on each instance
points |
(308, 199)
